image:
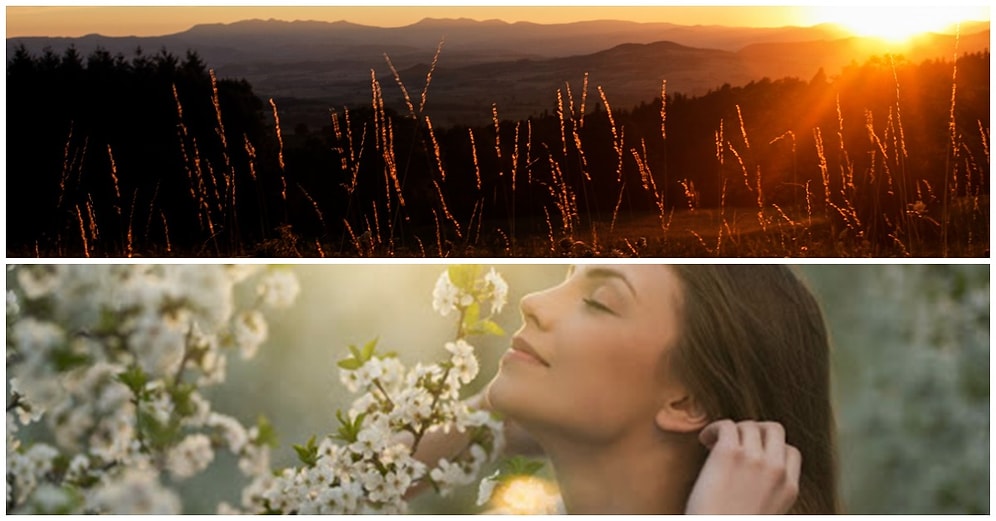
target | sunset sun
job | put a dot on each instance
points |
(894, 23)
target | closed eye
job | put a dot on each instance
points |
(596, 305)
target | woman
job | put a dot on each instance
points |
(631, 379)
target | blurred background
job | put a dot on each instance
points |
(911, 373)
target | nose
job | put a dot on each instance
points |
(533, 311)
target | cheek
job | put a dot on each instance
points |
(612, 376)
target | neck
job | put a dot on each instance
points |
(649, 474)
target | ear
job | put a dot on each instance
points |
(681, 414)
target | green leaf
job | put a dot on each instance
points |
(158, 435)
(350, 364)
(107, 324)
(267, 435)
(520, 466)
(463, 276)
(348, 430)
(490, 327)
(65, 359)
(135, 378)
(368, 349)
(356, 352)
(308, 454)
(471, 316)
(180, 394)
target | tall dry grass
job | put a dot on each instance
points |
(831, 225)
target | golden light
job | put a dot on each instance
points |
(897, 23)
(527, 495)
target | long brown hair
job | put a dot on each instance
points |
(754, 347)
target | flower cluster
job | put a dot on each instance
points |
(463, 287)
(110, 361)
(368, 465)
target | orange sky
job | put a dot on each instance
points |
(147, 21)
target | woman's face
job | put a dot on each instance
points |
(588, 360)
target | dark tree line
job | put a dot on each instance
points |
(99, 143)
(884, 128)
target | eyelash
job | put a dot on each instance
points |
(594, 304)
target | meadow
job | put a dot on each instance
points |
(157, 157)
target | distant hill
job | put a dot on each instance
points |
(269, 40)
(519, 66)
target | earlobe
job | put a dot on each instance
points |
(683, 415)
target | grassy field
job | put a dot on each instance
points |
(398, 187)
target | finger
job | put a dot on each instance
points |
(793, 465)
(773, 439)
(750, 438)
(721, 431)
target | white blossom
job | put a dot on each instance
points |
(448, 475)
(486, 489)
(232, 431)
(249, 331)
(50, 499)
(279, 288)
(372, 438)
(240, 272)
(38, 281)
(464, 362)
(136, 491)
(255, 460)
(35, 339)
(158, 341)
(190, 456)
(13, 308)
(224, 509)
(498, 289)
(446, 297)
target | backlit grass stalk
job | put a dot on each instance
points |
(664, 110)
(951, 160)
(561, 118)
(497, 127)
(314, 205)
(229, 171)
(280, 153)
(617, 141)
(86, 244)
(575, 125)
(584, 99)
(67, 166)
(92, 220)
(352, 237)
(473, 152)
(446, 210)
(615, 210)
(114, 179)
(169, 245)
(129, 246)
(439, 237)
(377, 229)
(192, 165)
(549, 229)
(401, 85)
(428, 77)
(825, 175)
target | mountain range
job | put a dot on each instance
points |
(310, 66)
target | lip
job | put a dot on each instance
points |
(524, 349)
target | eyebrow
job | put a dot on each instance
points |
(609, 273)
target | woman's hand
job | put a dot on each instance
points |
(750, 470)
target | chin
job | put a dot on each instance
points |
(498, 394)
